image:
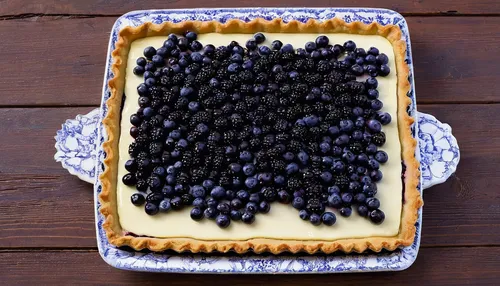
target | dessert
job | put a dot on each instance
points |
(260, 136)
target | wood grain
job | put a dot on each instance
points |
(115, 7)
(66, 68)
(47, 207)
(439, 266)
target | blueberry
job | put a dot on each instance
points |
(264, 50)
(279, 180)
(377, 216)
(381, 157)
(288, 156)
(333, 190)
(137, 199)
(349, 157)
(333, 130)
(292, 168)
(316, 55)
(176, 68)
(212, 203)
(247, 65)
(310, 46)
(210, 213)
(327, 160)
(251, 44)
(218, 193)
(249, 169)
(373, 164)
(149, 52)
(198, 191)
(224, 208)
(376, 175)
(233, 68)
(370, 59)
(302, 53)
(315, 219)
(251, 182)
(349, 46)
(342, 140)
(384, 70)
(376, 104)
(196, 213)
(287, 48)
(371, 149)
(298, 203)
(372, 94)
(345, 211)
(371, 82)
(374, 125)
(311, 120)
(259, 38)
(384, 118)
(150, 81)
(303, 157)
(276, 45)
(372, 203)
(362, 210)
(264, 207)
(248, 218)
(328, 218)
(183, 44)
(150, 67)
(373, 51)
(382, 59)
(129, 179)
(131, 165)
(235, 215)
(158, 60)
(246, 156)
(357, 70)
(298, 194)
(139, 70)
(322, 41)
(304, 214)
(357, 135)
(252, 207)
(199, 202)
(151, 208)
(360, 61)
(324, 147)
(141, 61)
(284, 197)
(264, 177)
(236, 204)
(326, 176)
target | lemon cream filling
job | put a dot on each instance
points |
(282, 222)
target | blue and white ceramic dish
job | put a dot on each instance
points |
(79, 149)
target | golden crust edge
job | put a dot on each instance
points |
(412, 197)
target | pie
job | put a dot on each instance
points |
(237, 93)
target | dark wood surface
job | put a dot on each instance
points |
(52, 62)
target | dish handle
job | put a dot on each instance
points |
(439, 151)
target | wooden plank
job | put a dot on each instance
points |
(115, 7)
(435, 266)
(61, 61)
(44, 206)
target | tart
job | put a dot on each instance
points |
(196, 134)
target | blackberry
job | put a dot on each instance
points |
(261, 78)
(359, 100)
(269, 100)
(164, 110)
(300, 88)
(293, 184)
(343, 100)
(280, 77)
(345, 112)
(175, 116)
(269, 194)
(293, 112)
(314, 191)
(157, 134)
(281, 125)
(285, 89)
(294, 146)
(378, 139)
(314, 132)
(355, 87)
(177, 79)
(181, 103)
(229, 136)
(205, 74)
(255, 144)
(169, 97)
(245, 88)
(278, 166)
(246, 76)
(299, 132)
(342, 181)
(323, 66)
(356, 147)
(210, 102)
(312, 79)
(221, 123)
(226, 85)
(134, 148)
(236, 120)
(240, 107)
(187, 199)
(155, 148)
(227, 109)
(204, 92)
(187, 159)
(319, 108)
(282, 137)
(154, 92)
(221, 53)
(369, 113)
(156, 103)
(315, 205)
(183, 179)
(222, 73)
(327, 88)
(334, 77)
(165, 80)
(225, 179)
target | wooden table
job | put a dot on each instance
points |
(52, 60)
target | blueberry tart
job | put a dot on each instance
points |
(263, 136)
